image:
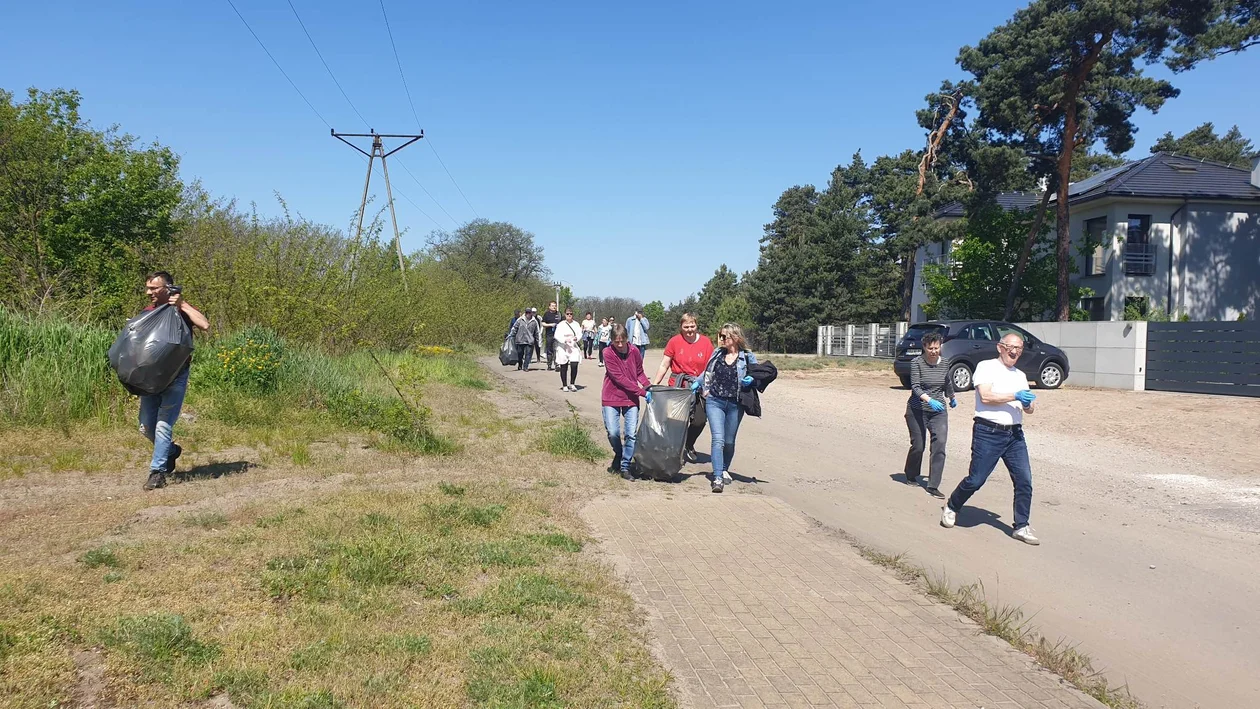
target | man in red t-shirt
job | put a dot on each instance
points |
(686, 355)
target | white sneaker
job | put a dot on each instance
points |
(726, 478)
(573, 388)
(948, 517)
(1025, 535)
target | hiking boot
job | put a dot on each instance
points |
(948, 517)
(717, 485)
(934, 492)
(1025, 535)
(625, 475)
(176, 452)
(156, 480)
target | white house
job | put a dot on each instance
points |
(1174, 233)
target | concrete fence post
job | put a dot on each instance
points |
(902, 328)
(848, 340)
(822, 330)
(828, 336)
(874, 329)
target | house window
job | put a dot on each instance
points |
(1139, 252)
(1095, 233)
(1094, 307)
(1136, 307)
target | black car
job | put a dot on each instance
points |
(967, 343)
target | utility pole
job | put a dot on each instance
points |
(378, 151)
(558, 303)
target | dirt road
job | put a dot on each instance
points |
(1147, 504)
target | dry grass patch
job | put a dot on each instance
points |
(357, 577)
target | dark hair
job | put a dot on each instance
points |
(932, 338)
(590, 313)
(619, 331)
(516, 314)
(166, 277)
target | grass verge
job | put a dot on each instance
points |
(570, 439)
(328, 574)
(1008, 623)
(806, 363)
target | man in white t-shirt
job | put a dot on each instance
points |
(1002, 399)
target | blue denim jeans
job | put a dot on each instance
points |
(622, 444)
(642, 351)
(158, 413)
(724, 416)
(988, 446)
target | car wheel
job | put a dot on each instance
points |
(1050, 376)
(905, 381)
(960, 375)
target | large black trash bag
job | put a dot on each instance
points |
(663, 432)
(151, 350)
(507, 353)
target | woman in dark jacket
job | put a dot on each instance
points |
(930, 389)
(725, 377)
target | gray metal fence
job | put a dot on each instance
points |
(864, 340)
(1204, 357)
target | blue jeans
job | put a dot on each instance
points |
(642, 351)
(623, 445)
(523, 355)
(158, 413)
(724, 416)
(988, 445)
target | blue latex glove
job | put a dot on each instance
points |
(648, 397)
(953, 403)
(695, 386)
(746, 381)
(936, 406)
(1025, 397)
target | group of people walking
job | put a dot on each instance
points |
(725, 380)
(566, 341)
(1002, 400)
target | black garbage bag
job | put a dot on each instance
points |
(663, 432)
(151, 350)
(507, 353)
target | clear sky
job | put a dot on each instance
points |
(642, 143)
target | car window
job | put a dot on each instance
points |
(979, 331)
(916, 332)
(1005, 329)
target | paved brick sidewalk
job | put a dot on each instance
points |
(751, 605)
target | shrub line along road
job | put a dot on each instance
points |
(1148, 559)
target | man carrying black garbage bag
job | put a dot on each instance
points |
(158, 412)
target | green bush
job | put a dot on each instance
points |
(246, 361)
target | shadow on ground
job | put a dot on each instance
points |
(213, 470)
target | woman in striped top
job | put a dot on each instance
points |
(930, 388)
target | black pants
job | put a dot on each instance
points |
(551, 350)
(921, 424)
(568, 373)
(696, 425)
(588, 347)
(523, 354)
(601, 348)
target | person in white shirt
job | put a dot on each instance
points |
(568, 350)
(588, 336)
(1002, 399)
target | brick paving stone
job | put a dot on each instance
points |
(775, 612)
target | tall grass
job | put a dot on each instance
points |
(53, 372)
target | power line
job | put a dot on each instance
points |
(448, 174)
(415, 115)
(346, 96)
(273, 61)
(326, 67)
(426, 191)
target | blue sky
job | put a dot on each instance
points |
(643, 144)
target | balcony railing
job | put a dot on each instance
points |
(1139, 259)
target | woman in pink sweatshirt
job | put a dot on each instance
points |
(624, 382)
